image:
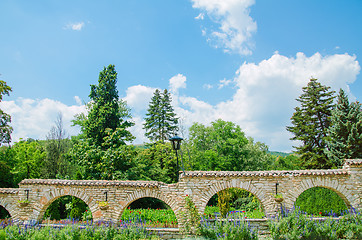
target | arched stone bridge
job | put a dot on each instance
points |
(199, 185)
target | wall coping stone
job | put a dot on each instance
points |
(273, 173)
(9, 190)
(357, 162)
(102, 183)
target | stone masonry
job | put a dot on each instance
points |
(199, 185)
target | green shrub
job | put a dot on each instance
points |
(228, 230)
(223, 202)
(2, 234)
(296, 225)
(320, 201)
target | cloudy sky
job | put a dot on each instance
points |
(244, 61)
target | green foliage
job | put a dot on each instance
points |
(191, 217)
(320, 201)
(6, 177)
(345, 131)
(150, 217)
(5, 119)
(101, 151)
(113, 163)
(224, 147)
(158, 163)
(161, 121)
(74, 232)
(289, 162)
(56, 165)
(228, 230)
(29, 159)
(106, 111)
(295, 225)
(310, 124)
(67, 207)
(223, 202)
(2, 234)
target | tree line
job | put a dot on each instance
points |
(326, 132)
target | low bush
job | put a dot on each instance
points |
(295, 225)
(76, 232)
(228, 230)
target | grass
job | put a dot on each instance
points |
(212, 212)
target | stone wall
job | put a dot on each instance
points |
(199, 185)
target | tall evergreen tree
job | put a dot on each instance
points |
(345, 131)
(161, 121)
(310, 125)
(106, 113)
(101, 150)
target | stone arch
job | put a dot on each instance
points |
(234, 183)
(53, 194)
(331, 184)
(10, 207)
(142, 193)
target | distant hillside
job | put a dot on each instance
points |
(282, 154)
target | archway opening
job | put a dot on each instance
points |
(67, 208)
(321, 201)
(4, 214)
(151, 212)
(233, 203)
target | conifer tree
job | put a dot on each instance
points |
(107, 114)
(345, 131)
(161, 121)
(310, 125)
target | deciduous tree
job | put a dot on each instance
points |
(223, 146)
(5, 119)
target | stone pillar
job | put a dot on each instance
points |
(354, 167)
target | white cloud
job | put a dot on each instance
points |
(34, 118)
(177, 82)
(224, 83)
(138, 97)
(235, 24)
(265, 94)
(262, 104)
(78, 100)
(207, 86)
(200, 16)
(75, 26)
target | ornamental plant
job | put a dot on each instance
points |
(223, 202)
(191, 217)
(102, 203)
(295, 225)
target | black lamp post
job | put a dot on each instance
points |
(176, 144)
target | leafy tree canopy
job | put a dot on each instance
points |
(223, 146)
(5, 119)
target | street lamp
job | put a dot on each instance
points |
(176, 144)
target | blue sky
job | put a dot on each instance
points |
(240, 60)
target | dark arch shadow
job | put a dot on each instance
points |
(321, 201)
(4, 214)
(242, 203)
(67, 207)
